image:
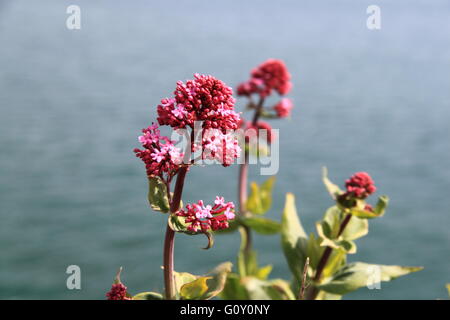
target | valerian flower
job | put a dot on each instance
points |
(215, 145)
(202, 218)
(118, 289)
(118, 292)
(205, 99)
(283, 108)
(360, 185)
(159, 154)
(270, 75)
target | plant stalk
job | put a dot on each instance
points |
(169, 240)
(243, 175)
(324, 259)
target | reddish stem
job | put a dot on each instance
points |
(169, 240)
(324, 259)
(243, 174)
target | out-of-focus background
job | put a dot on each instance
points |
(72, 103)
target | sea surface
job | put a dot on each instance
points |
(72, 103)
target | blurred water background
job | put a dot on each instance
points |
(72, 104)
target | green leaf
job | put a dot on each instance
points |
(378, 211)
(260, 199)
(157, 195)
(266, 193)
(208, 286)
(234, 289)
(148, 296)
(356, 228)
(263, 273)
(262, 225)
(314, 252)
(254, 203)
(294, 240)
(210, 238)
(359, 274)
(177, 223)
(181, 278)
(322, 295)
(333, 189)
(277, 289)
(332, 221)
(256, 288)
(195, 289)
(335, 262)
(323, 230)
(381, 205)
(282, 290)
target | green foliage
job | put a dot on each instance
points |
(148, 296)
(294, 240)
(260, 199)
(341, 225)
(252, 288)
(191, 287)
(277, 289)
(234, 288)
(178, 224)
(328, 230)
(157, 195)
(359, 274)
(195, 289)
(332, 188)
(262, 225)
(258, 148)
(360, 211)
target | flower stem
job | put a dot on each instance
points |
(324, 259)
(258, 112)
(169, 240)
(243, 174)
(246, 239)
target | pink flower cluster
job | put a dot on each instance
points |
(203, 218)
(159, 154)
(283, 108)
(204, 99)
(118, 292)
(221, 147)
(270, 75)
(360, 185)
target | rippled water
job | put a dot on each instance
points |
(72, 104)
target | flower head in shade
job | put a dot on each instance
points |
(118, 289)
(205, 99)
(283, 108)
(360, 185)
(203, 218)
(159, 153)
(221, 147)
(118, 292)
(270, 75)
